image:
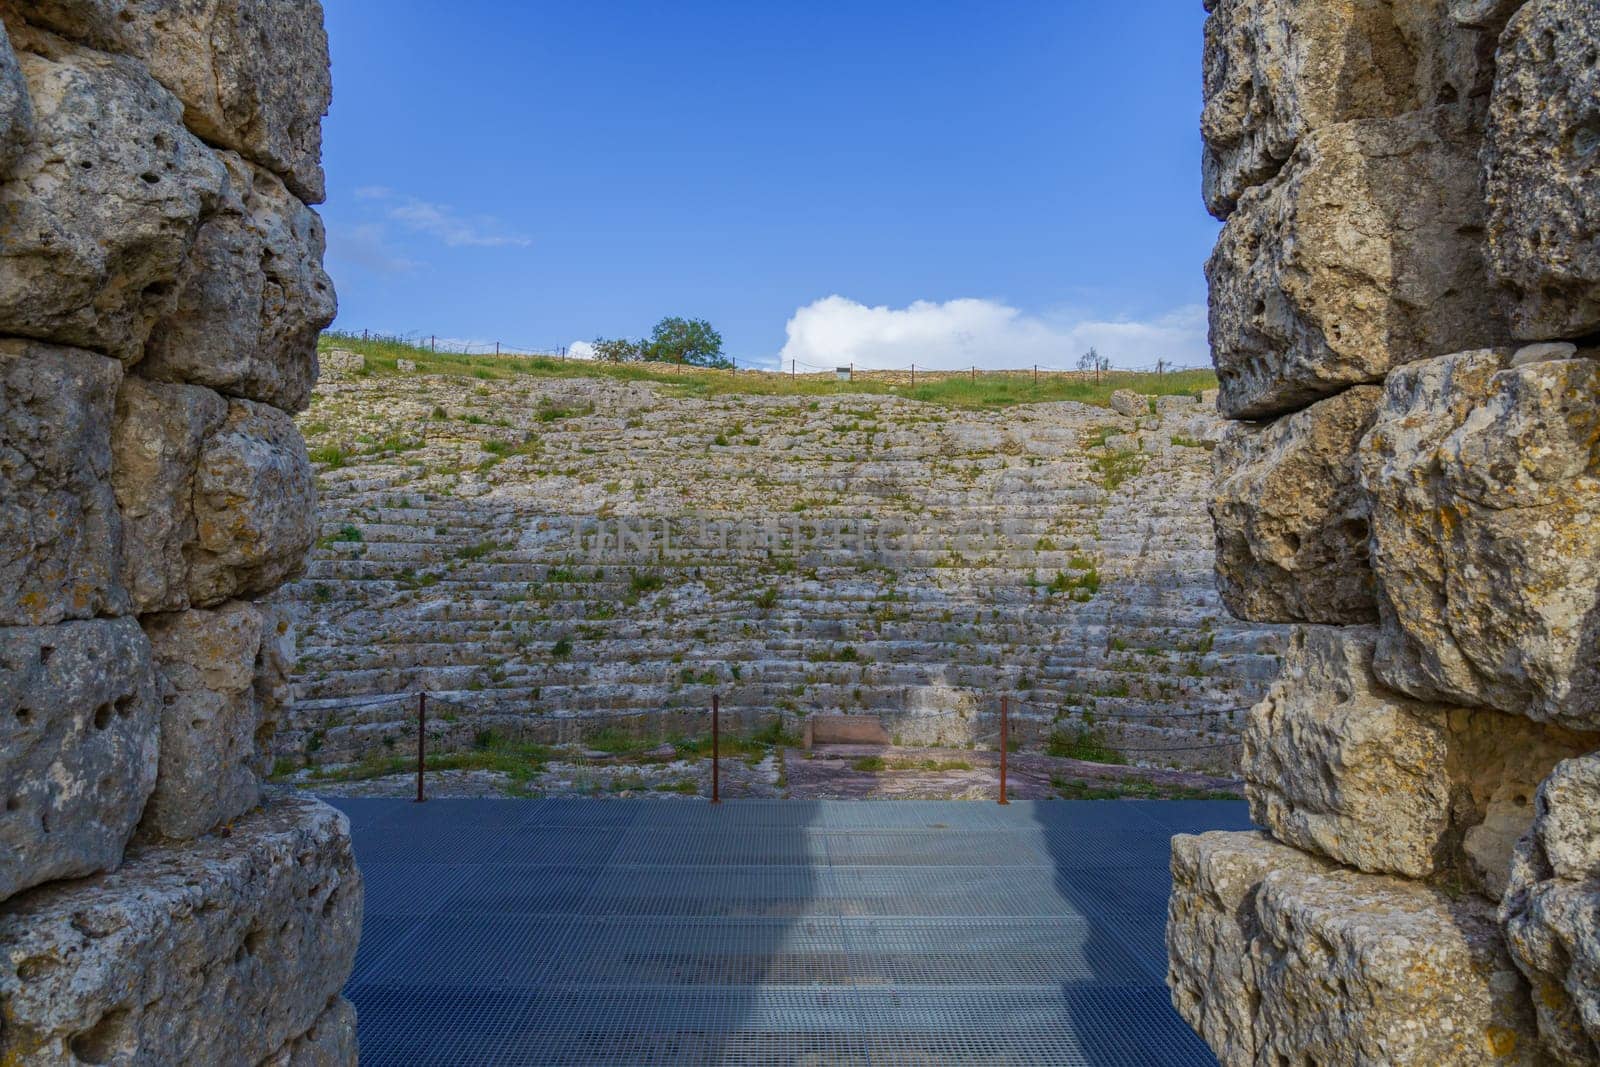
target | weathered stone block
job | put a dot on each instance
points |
(58, 515)
(1276, 70)
(1551, 910)
(236, 943)
(223, 680)
(1129, 403)
(1485, 487)
(1338, 765)
(252, 74)
(217, 497)
(16, 111)
(255, 505)
(1541, 165)
(1363, 254)
(1211, 922)
(1491, 15)
(1290, 517)
(252, 300)
(80, 716)
(1368, 969)
(159, 432)
(331, 1041)
(103, 204)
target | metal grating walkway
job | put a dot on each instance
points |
(612, 932)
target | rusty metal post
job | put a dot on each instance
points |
(422, 726)
(1005, 744)
(974, 375)
(716, 754)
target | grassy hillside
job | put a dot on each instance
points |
(990, 390)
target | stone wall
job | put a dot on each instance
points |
(1405, 318)
(161, 291)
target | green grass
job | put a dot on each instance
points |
(1083, 744)
(991, 390)
(1118, 465)
(519, 761)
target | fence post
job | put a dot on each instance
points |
(497, 348)
(791, 368)
(433, 342)
(716, 770)
(974, 375)
(1036, 375)
(913, 375)
(422, 724)
(1005, 745)
(363, 335)
(852, 372)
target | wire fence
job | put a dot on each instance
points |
(846, 371)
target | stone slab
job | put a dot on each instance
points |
(1365, 253)
(236, 943)
(80, 714)
(1485, 489)
(59, 526)
(1541, 167)
(1290, 517)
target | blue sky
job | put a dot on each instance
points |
(939, 183)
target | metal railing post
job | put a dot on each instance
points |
(422, 726)
(716, 754)
(1005, 745)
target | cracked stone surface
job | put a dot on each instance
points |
(237, 942)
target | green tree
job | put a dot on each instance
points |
(694, 341)
(618, 350)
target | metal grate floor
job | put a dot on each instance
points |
(769, 932)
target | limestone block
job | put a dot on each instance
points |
(223, 685)
(159, 432)
(1277, 70)
(58, 515)
(341, 364)
(101, 207)
(1129, 403)
(1485, 487)
(1551, 910)
(331, 1041)
(1363, 254)
(1338, 765)
(252, 74)
(1486, 14)
(1211, 923)
(80, 716)
(252, 300)
(16, 111)
(1368, 969)
(217, 496)
(1290, 518)
(255, 505)
(1541, 165)
(236, 943)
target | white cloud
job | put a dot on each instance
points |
(442, 222)
(366, 245)
(580, 350)
(836, 331)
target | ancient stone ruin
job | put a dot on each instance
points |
(862, 554)
(161, 291)
(1405, 304)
